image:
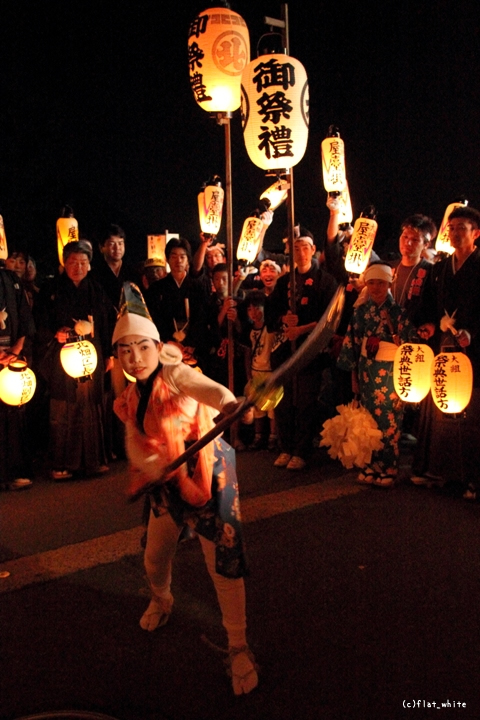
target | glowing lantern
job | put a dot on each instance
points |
(452, 381)
(361, 242)
(276, 194)
(130, 378)
(442, 243)
(345, 204)
(275, 111)
(3, 241)
(79, 358)
(218, 50)
(210, 204)
(412, 371)
(333, 162)
(17, 383)
(67, 231)
(250, 241)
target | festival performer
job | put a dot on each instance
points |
(170, 406)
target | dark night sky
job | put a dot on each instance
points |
(96, 110)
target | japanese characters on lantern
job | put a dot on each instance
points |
(275, 111)
(17, 383)
(452, 381)
(333, 162)
(276, 194)
(361, 244)
(345, 206)
(218, 51)
(412, 371)
(442, 243)
(79, 359)
(210, 204)
(67, 231)
(3, 241)
(250, 242)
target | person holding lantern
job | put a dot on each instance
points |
(170, 406)
(451, 319)
(74, 304)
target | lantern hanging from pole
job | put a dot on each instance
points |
(361, 242)
(412, 369)
(276, 194)
(333, 161)
(67, 231)
(3, 241)
(442, 243)
(79, 358)
(250, 242)
(275, 106)
(218, 51)
(451, 381)
(17, 383)
(210, 205)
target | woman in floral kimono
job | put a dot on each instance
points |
(377, 327)
(170, 406)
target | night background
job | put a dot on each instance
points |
(97, 112)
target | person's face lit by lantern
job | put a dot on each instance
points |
(214, 257)
(220, 283)
(138, 356)
(10, 263)
(303, 252)
(377, 290)
(412, 243)
(77, 266)
(269, 276)
(20, 265)
(113, 248)
(178, 261)
(462, 234)
(256, 315)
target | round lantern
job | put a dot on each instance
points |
(3, 241)
(218, 51)
(79, 358)
(67, 231)
(17, 383)
(275, 104)
(250, 241)
(412, 371)
(276, 194)
(333, 161)
(442, 243)
(210, 204)
(361, 242)
(452, 381)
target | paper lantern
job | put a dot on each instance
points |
(210, 204)
(79, 359)
(3, 241)
(452, 381)
(345, 204)
(361, 242)
(218, 51)
(67, 231)
(276, 194)
(17, 383)
(442, 243)
(250, 242)
(333, 161)
(412, 368)
(275, 105)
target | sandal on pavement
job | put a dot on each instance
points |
(384, 480)
(296, 463)
(242, 669)
(282, 460)
(470, 494)
(157, 613)
(61, 475)
(367, 476)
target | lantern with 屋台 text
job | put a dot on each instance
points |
(17, 383)
(79, 359)
(67, 231)
(361, 242)
(442, 243)
(276, 194)
(218, 51)
(333, 161)
(250, 242)
(3, 241)
(210, 205)
(275, 107)
(451, 381)
(412, 371)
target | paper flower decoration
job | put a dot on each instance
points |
(351, 436)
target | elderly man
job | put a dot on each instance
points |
(450, 312)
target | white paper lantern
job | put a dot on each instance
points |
(250, 242)
(67, 231)
(361, 243)
(210, 205)
(452, 381)
(442, 243)
(276, 194)
(79, 359)
(412, 368)
(17, 383)
(333, 162)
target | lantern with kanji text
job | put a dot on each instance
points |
(442, 243)
(250, 242)
(17, 383)
(451, 381)
(276, 194)
(412, 371)
(79, 359)
(210, 205)
(333, 161)
(67, 231)
(361, 242)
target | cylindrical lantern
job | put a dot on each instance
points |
(333, 161)
(361, 242)
(452, 381)
(210, 204)
(3, 241)
(79, 359)
(67, 231)
(442, 243)
(275, 103)
(218, 51)
(412, 368)
(17, 383)
(250, 242)
(276, 194)
(345, 204)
